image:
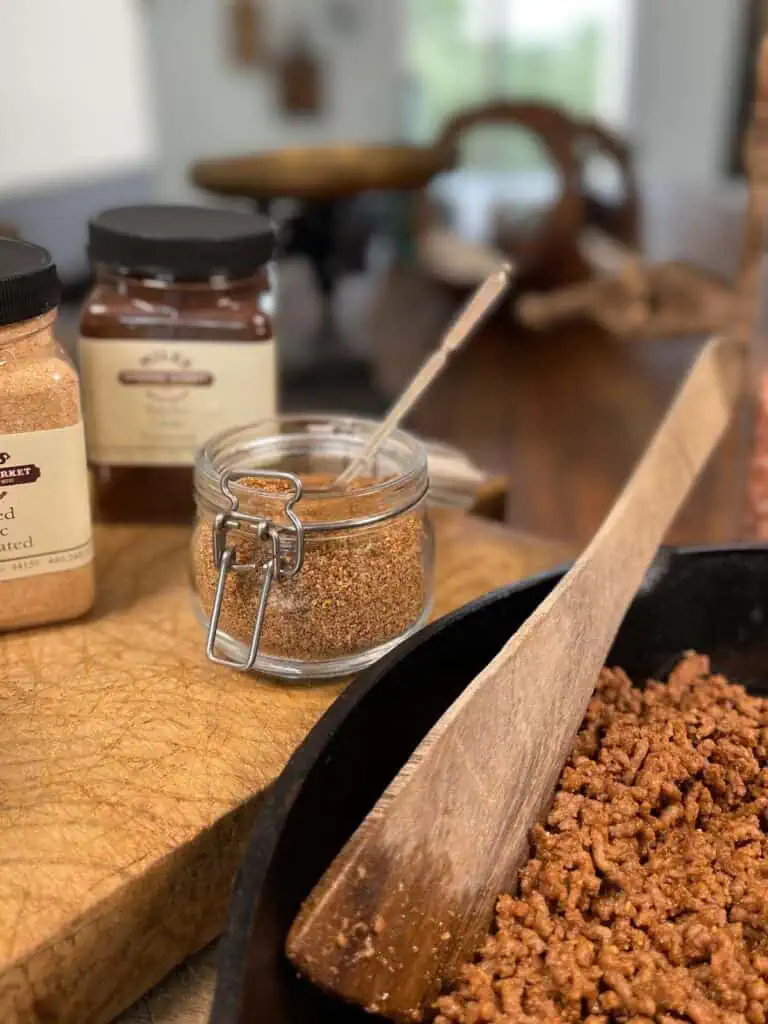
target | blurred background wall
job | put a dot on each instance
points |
(205, 106)
(686, 56)
(105, 101)
(75, 117)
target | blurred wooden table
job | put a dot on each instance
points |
(323, 173)
(564, 415)
(320, 182)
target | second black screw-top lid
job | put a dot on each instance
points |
(188, 243)
(29, 284)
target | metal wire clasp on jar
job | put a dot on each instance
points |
(298, 581)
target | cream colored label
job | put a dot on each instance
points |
(45, 515)
(157, 402)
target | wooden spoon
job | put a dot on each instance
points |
(411, 895)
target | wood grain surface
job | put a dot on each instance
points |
(564, 414)
(130, 771)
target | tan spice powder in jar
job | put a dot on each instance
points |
(46, 571)
(357, 589)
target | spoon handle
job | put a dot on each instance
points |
(478, 307)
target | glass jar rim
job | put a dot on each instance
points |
(220, 454)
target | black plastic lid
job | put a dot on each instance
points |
(187, 243)
(29, 284)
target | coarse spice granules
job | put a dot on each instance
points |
(46, 572)
(358, 588)
(646, 898)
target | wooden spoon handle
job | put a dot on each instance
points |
(625, 544)
(452, 829)
(479, 306)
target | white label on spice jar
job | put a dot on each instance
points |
(45, 515)
(157, 402)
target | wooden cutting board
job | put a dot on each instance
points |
(130, 772)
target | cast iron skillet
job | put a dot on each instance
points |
(714, 601)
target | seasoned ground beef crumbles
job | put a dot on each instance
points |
(646, 896)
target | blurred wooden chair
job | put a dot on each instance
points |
(618, 217)
(552, 239)
(546, 248)
(638, 299)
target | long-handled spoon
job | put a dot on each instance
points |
(479, 306)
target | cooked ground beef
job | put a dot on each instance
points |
(646, 896)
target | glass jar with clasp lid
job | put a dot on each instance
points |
(294, 578)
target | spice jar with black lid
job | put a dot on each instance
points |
(46, 556)
(176, 345)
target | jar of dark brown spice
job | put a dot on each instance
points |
(46, 570)
(176, 345)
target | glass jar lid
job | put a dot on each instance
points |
(187, 243)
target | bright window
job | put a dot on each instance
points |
(573, 53)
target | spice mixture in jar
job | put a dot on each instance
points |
(176, 345)
(365, 576)
(46, 570)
